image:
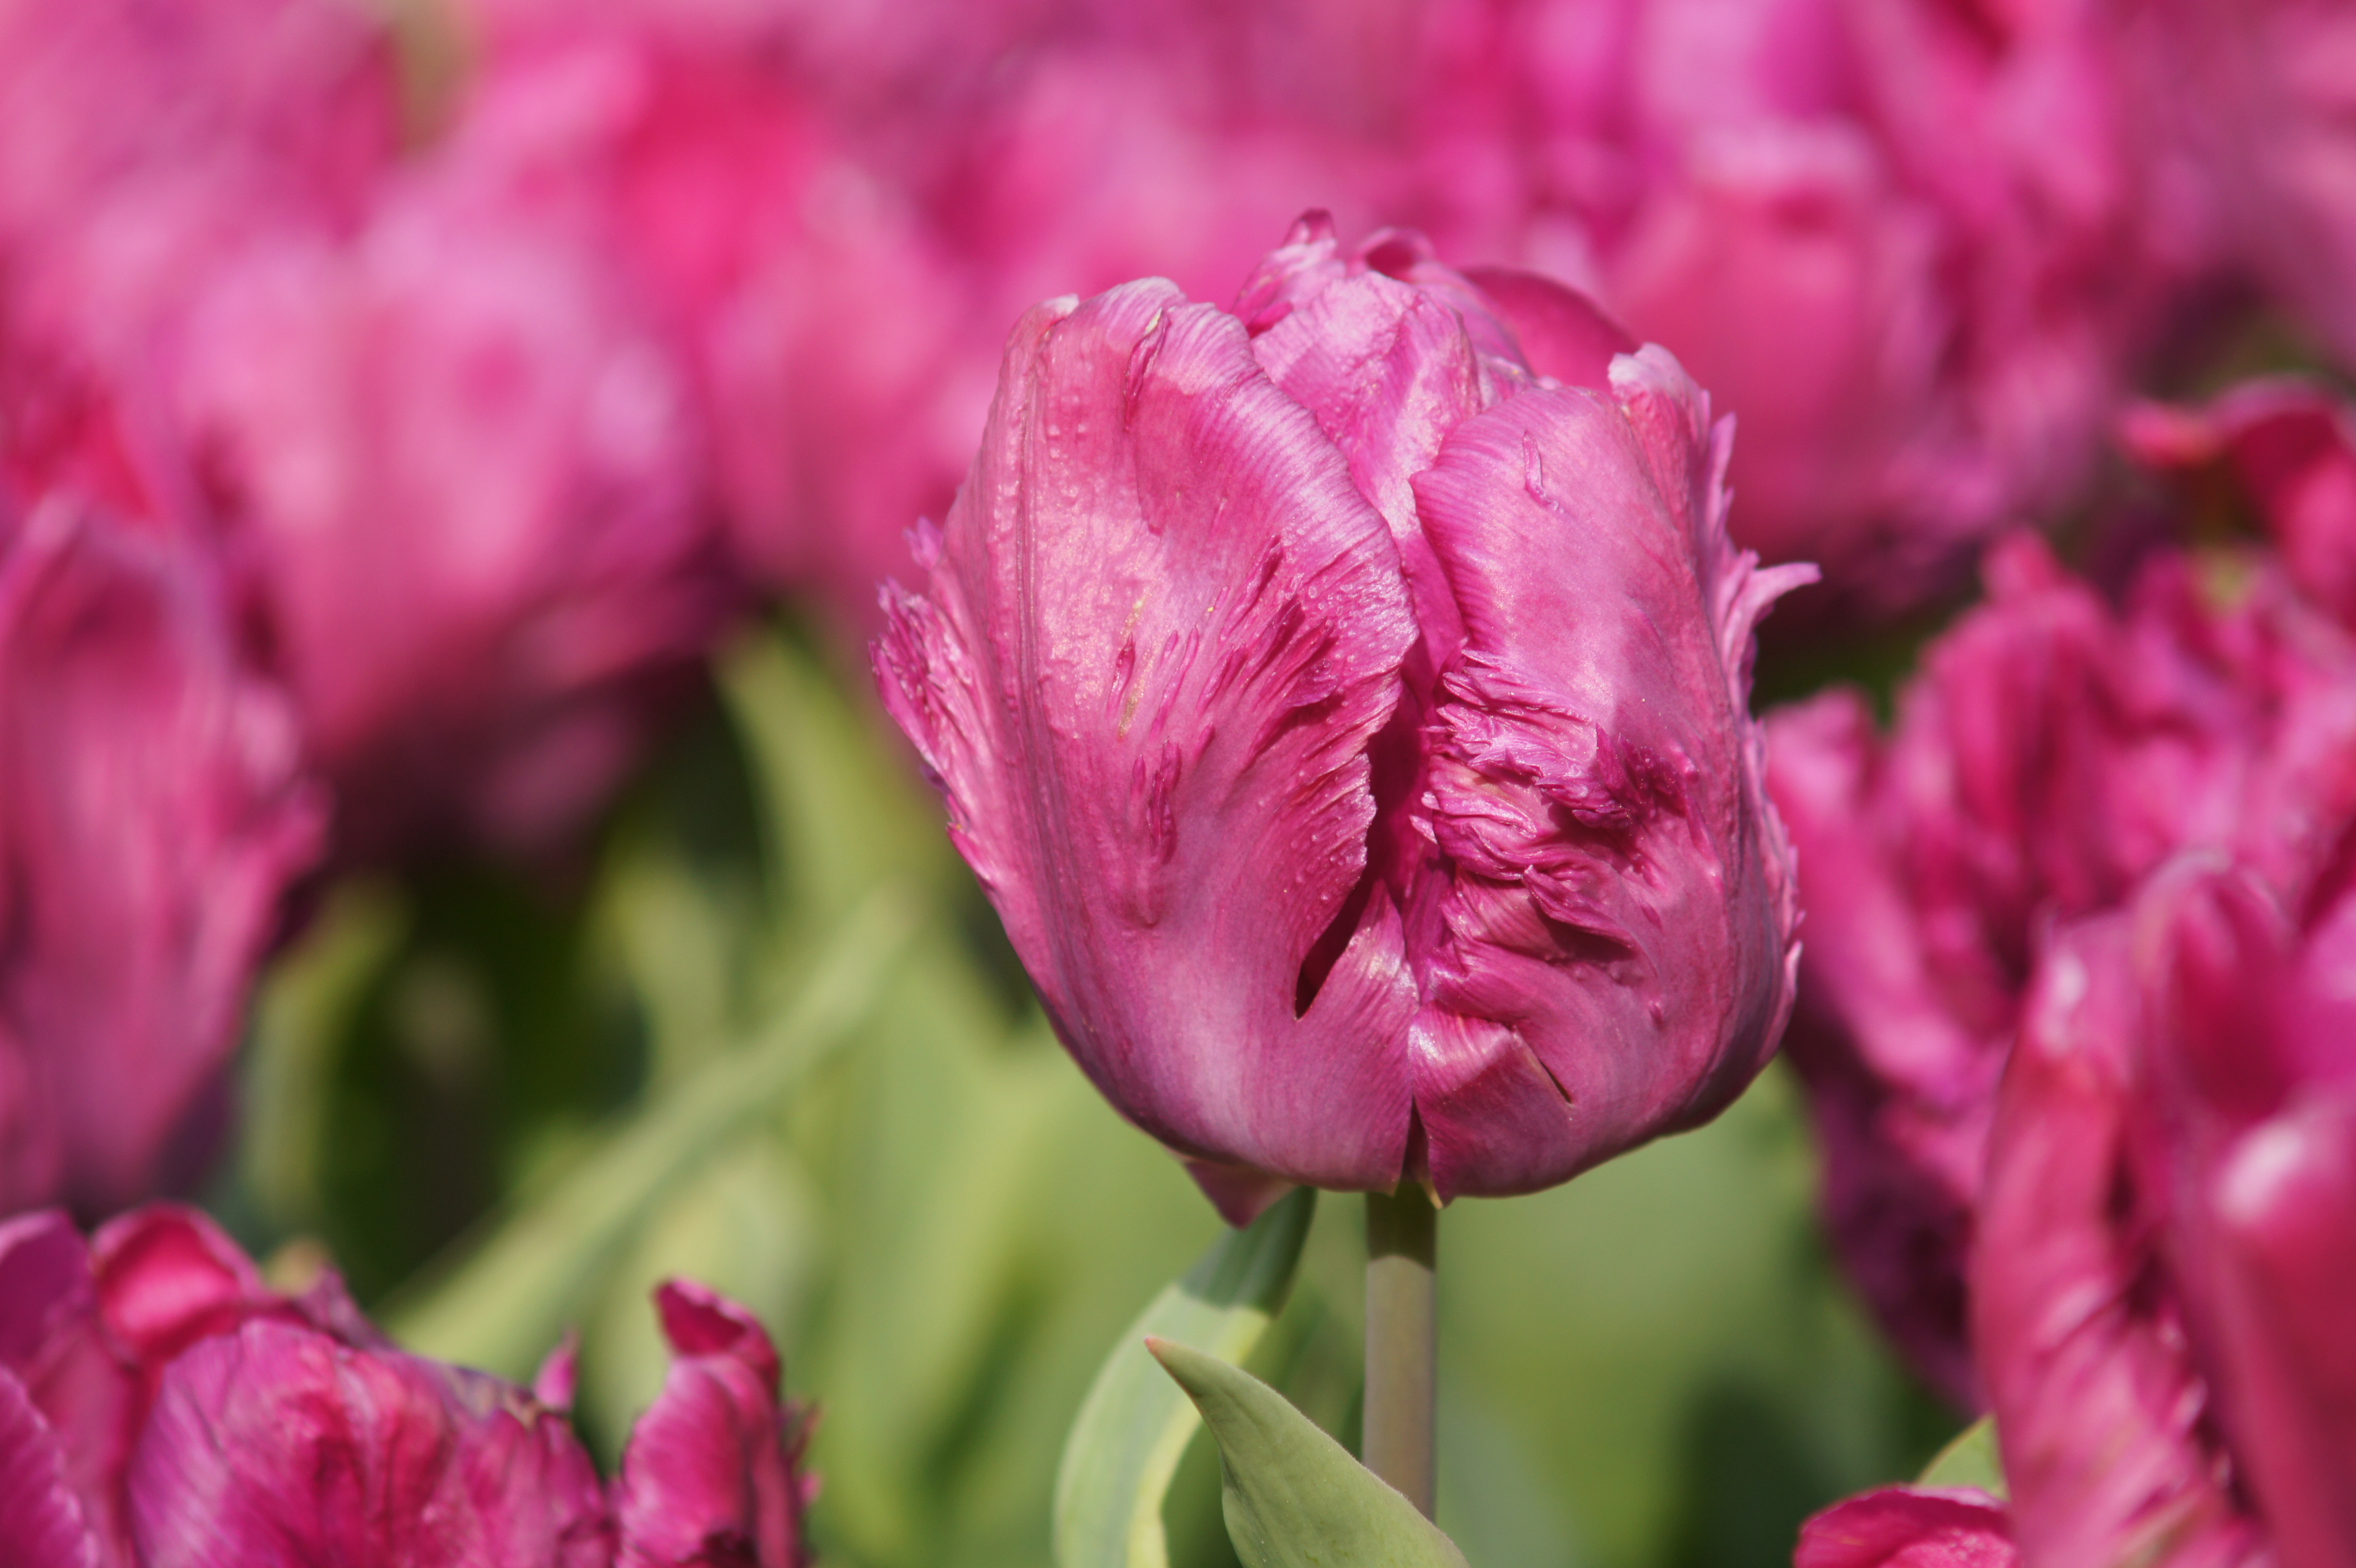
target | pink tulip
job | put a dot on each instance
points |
(153, 811)
(462, 467)
(159, 1405)
(446, 429)
(2263, 89)
(1347, 721)
(141, 145)
(1910, 1527)
(2165, 1277)
(2053, 752)
(1915, 252)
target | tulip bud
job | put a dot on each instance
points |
(1347, 719)
(153, 811)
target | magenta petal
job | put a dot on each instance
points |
(2104, 1420)
(44, 1279)
(2250, 1116)
(1388, 371)
(52, 1342)
(1620, 907)
(277, 1445)
(1162, 633)
(1910, 1527)
(711, 1473)
(1562, 333)
(169, 1276)
(152, 812)
(41, 1523)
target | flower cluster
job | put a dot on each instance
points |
(2073, 1012)
(160, 1404)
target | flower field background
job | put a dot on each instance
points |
(721, 653)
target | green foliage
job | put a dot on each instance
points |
(1294, 1497)
(769, 1036)
(1124, 1448)
(1971, 1460)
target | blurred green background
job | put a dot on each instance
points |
(768, 1034)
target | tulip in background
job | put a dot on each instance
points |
(160, 1405)
(2167, 1242)
(1341, 700)
(2052, 752)
(153, 812)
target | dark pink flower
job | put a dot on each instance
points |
(2052, 753)
(2165, 1277)
(1910, 1527)
(461, 467)
(2263, 87)
(39, 1518)
(1347, 721)
(160, 1405)
(153, 811)
(1915, 249)
(145, 145)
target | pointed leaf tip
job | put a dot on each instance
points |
(1295, 1499)
(1971, 1460)
(1131, 1431)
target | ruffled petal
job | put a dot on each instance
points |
(2106, 1423)
(1164, 630)
(1618, 916)
(41, 1521)
(277, 1445)
(712, 1474)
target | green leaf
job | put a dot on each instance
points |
(1294, 1497)
(1134, 1426)
(305, 1010)
(514, 1287)
(1971, 1460)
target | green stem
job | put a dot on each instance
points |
(1402, 1342)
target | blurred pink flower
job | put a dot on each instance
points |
(2052, 752)
(2271, 89)
(2165, 1278)
(160, 1405)
(1307, 686)
(153, 811)
(460, 467)
(143, 145)
(446, 434)
(1915, 249)
(1910, 1527)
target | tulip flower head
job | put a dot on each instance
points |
(2164, 1276)
(1341, 700)
(160, 1405)
(2053, 751)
